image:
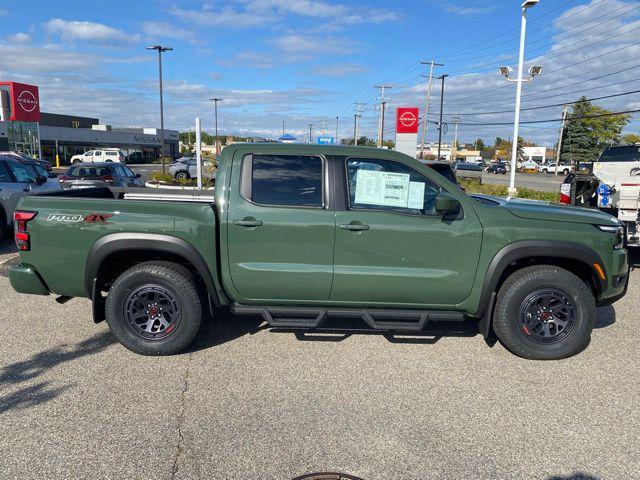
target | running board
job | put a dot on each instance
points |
(384, 320)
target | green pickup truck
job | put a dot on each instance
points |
(302, 233)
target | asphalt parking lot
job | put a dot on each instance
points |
(247, 402)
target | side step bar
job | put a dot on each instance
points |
(376, 319)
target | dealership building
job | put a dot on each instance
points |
(24, 128)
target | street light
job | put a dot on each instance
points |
(506, 71)
(161, 50)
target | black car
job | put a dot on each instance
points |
(497, 168)
(93, 175)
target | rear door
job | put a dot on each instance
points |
(391, 245)
(280, 232)
(97, 156)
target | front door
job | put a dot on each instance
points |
(391, 245)
(280, 232)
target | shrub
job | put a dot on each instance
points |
(474, 186)
(161, 177)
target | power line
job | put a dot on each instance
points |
(545, 106)
(609, 114)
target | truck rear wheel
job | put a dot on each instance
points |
(154, 308)
(544, 312)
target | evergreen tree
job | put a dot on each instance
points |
(586, 135)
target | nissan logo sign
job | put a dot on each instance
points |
(27, 101)
(408, 119)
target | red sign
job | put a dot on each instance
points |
(407, 120)
(25, 102)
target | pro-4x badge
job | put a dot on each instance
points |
(58, 217)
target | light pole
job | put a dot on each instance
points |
(442, 77)
(337, 123)
(505, 71)
(161, 50)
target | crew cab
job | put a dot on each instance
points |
(99, 156)
(302, 233)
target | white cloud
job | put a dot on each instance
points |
(3, 12)
(259, 12)
(214, 75)
(302, 47)
(339, 70)
(475, 8)
(19, 37)
(74, 30)
(157, 30)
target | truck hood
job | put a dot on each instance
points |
(539, 210)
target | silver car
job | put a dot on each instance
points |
(17, 180)
(186, 168)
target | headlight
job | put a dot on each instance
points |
(617, 230)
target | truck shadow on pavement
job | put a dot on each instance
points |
(574, 476)
(16, 373)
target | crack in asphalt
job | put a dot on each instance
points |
(183, 407)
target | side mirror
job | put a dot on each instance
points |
(138, 175)
(446, 203)
(41, 180)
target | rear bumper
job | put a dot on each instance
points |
(25, 279)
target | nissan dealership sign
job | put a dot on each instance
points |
(24, 101)
(407, 124)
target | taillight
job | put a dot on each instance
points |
(107, 178)
(21, 236)
(565, 193)
(62, 178)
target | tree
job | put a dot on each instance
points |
(588, 130)
(479, 144)
(631, 138)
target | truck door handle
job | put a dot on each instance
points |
(248, 222)
(354, 226)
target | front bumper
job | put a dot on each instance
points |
(618, 273)
(25, 279)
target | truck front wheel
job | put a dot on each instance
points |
(544, 312)
(154, 308)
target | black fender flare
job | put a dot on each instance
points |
(122, 242)
(534, 248)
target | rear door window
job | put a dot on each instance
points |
(284, 180)
(620, 154)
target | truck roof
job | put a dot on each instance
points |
(307, 148)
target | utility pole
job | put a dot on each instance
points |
(565, 111)
(356, 117)
(337, 123)
(383, 106)
(441, 108)
(310, 131)
(455, 140)
(215, 108)
(428, 100)
(282, 127)
(161, 50)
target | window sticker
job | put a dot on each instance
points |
(383, 188)
(416, 195)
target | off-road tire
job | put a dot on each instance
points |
(511, 297)
(179, 281)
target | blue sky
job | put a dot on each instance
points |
(305, 61)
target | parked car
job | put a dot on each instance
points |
(552, 167)
(93, 175)
(18, 179)
(98, 156)
(497, 168)
(186, 168)
(443, 168)
(23, 157)
(299, 236)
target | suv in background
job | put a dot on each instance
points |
(95, 175)
(552, 167)
(23, 157)
(18, 179)
(107, 155)
(497, 168)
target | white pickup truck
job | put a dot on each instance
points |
(612, 186)
(553, 167)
